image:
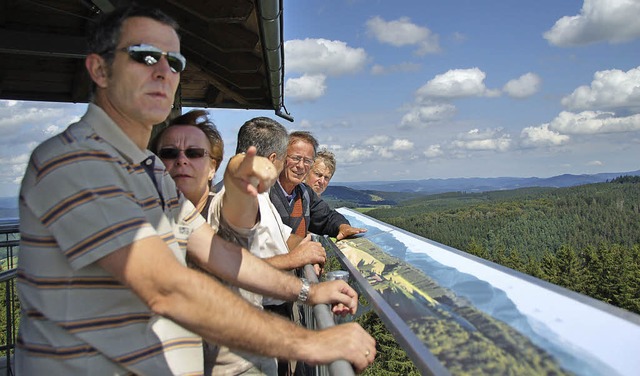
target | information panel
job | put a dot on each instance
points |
(477, 317)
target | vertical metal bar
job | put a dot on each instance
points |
(324, 319)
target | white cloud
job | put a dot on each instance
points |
(322, 56)
(523, 86)
(401, 145)
(433, 151)
(305, 88)
(542, 136)
(457, 83)
(458, 37)
(14, 117)
(613, 21)
(376, 140)
(609, 90)
(402, 32)
(378, 69)
(421, 115)
(595, 163)
(594, 122)
(488, 140)
(384, 153)
(304, 124)
(353, 155)
(498, 144)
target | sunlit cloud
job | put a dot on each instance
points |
(523, 86)
(542, 136)
(594, 122)
(433, 151)
(613, 21)
(354, 155)
(457, 83)
(422, 115)
(376, 140)
(384, 153)
(610, 90)
(323, 57)
(305, 88)
(401, 145)
(488, 140)
(402, 32)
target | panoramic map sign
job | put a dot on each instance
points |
(478, 317)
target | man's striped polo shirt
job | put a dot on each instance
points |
(86, 193)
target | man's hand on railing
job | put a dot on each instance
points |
(343, 297)
(346, 231)
(308, 252)
(346, 341)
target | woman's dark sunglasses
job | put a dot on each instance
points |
(191, 153)
(150, 55)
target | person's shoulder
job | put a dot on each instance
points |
(61, 143)
(308, 191)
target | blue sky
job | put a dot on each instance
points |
(436, 89)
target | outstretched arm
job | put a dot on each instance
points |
(203, 305)
(239, 267)
(246, 175)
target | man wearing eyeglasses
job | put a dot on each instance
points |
(102, 275)
(298, 205)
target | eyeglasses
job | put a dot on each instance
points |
(297, 158)
(173, 153)
(150, 55)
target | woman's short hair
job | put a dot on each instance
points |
(199, 119)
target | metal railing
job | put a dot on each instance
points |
(9, 244)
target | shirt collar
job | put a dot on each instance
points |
(107, 129)
(289, 197)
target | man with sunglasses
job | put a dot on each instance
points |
(102, 275)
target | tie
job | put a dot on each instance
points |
(301, 230)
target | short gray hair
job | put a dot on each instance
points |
(304, 136)
(328, 158)
(267, 135)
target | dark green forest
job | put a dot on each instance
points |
(584, 238)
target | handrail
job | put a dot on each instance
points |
(422, 358)
(324, 319)
(6, 275)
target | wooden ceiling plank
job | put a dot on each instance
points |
(26, 43)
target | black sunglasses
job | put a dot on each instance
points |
(150, 55)
(191, 153)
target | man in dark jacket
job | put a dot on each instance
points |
(298, 205)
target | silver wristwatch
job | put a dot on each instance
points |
(303, 295)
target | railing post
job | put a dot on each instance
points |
(324, 319)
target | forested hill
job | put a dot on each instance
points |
(586, 238)
(432, 186)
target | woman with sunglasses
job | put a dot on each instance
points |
(192, 149)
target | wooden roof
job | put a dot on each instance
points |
(233, 48)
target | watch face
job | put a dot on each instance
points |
(303, 295)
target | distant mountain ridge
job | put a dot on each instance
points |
(470, 185)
